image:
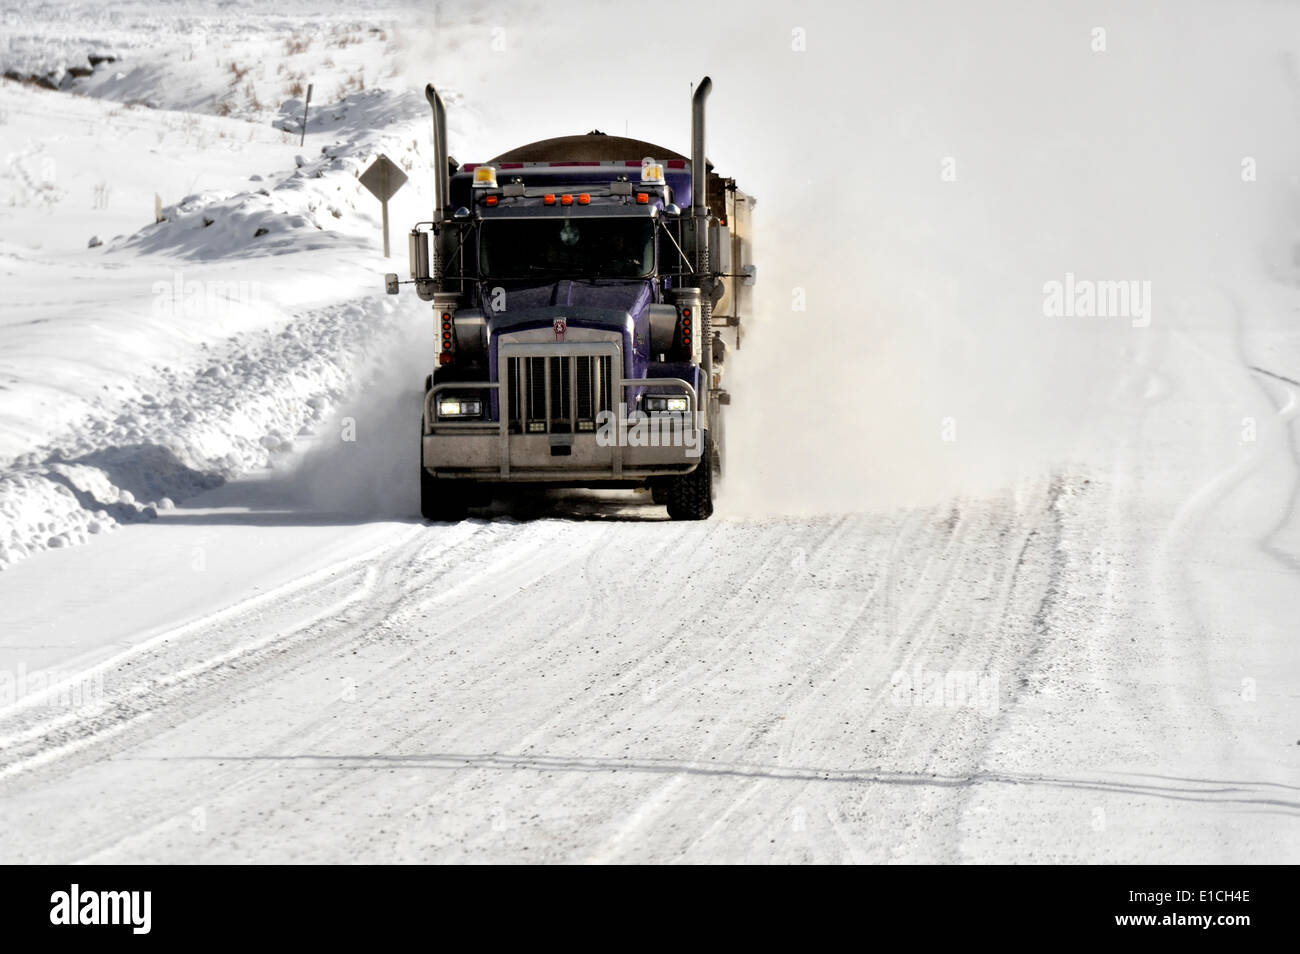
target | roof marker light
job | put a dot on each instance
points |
(549, 198)
(492, 200)
(652, 173)
(566, 199)
(584, 198)
(642, 198)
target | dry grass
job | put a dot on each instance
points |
(355, 83)
(297, 84)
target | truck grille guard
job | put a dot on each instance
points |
(551, 390)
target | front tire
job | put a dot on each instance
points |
(441, 501)
(690, 496)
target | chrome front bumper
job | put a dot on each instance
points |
(506, 450)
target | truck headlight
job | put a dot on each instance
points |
(660, 402)
(459, 407)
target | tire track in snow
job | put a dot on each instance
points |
(919, 733)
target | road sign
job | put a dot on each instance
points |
(383, 179)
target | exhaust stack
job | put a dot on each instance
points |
(700, 213)
(441, 187)
(425, 261)
(699, 181)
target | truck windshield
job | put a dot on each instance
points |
(574, 247)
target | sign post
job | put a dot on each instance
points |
(383, 178)
(302, 139)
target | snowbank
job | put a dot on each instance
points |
(238, 411)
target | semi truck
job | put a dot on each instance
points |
(581, 287)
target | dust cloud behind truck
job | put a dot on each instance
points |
(581, 288)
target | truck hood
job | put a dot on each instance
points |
(601, 302)
(621, 306)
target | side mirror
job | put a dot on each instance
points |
(673, 209)
(390, 283)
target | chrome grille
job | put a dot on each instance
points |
(557, 394)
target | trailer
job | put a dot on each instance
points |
(586, 290)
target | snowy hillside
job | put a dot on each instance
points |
(144, 360)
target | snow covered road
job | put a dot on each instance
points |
(477, 692)
(599, 684)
